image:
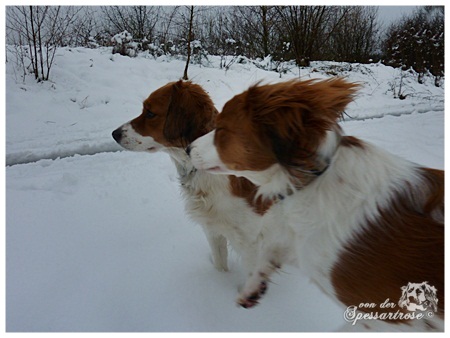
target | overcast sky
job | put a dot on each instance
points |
(388, 14)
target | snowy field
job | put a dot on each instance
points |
(97, 238)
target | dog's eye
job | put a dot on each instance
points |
(149, 114)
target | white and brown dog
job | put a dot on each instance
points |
(359, 221)
(172, 117)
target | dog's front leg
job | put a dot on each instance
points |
(275, 248)
(256, 285)
(219, 249)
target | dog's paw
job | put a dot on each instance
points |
(250, 298)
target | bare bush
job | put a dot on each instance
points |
(39, 30)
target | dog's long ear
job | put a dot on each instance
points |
(330, 97)
(191, 114)
(296, 116)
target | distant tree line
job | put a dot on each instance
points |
(417, 42)
(299, 33)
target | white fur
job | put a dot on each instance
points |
(208, 159)
(327, 212)
(131, 140)
(205, 157)
(208, 200)
(313, 224)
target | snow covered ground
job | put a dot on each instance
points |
(97, 239)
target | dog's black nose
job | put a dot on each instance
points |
(117, 134)
(188, 150)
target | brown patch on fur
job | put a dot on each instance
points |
(351, 141)
(182, 111)
(434, 206)
(405, 244)
(241, 187)
(281, 123)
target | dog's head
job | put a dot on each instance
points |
(419, 296)
(172, 116)
(272, 126)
